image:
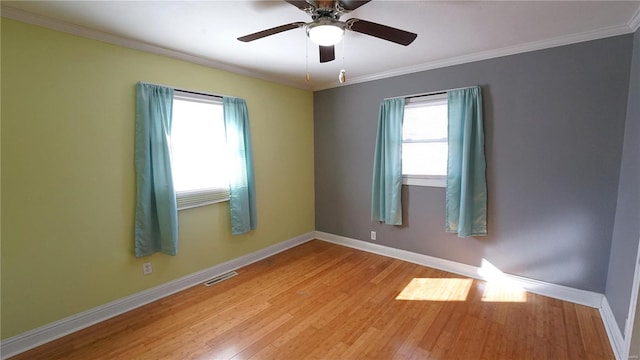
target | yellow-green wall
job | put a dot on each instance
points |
(68, 186)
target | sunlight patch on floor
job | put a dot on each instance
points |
(496, 287)
(436, 289)
(495, 292)
(499, 287)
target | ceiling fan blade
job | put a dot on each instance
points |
(382, 31)
(300, 4)
(327, 53)
(351, 5)
(272, 31)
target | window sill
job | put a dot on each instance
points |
(424, 180)
(196, 198)
(184, 207)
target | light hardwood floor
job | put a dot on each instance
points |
(324, 301)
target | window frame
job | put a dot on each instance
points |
(195, 198)
(425, 180)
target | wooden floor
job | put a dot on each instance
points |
(324, 301)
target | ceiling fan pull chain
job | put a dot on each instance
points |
(343, 73)
(306, 52)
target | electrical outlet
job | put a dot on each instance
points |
(146, 268)
(373, 235)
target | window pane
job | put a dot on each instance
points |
(424, 158)
(424, 136)
(427, 122)
(198, 146)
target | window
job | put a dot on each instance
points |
(198, 148)
(424, 141)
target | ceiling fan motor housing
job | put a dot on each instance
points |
(326, 29)
(332, 12)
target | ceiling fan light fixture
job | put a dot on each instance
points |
(325, 32)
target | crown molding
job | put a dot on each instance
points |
(491, 54)
(634, 23)
(30, 18)
(23, 16)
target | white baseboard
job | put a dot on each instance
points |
(560, 292)
(33, 338)
(613, 331)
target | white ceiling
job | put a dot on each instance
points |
(449, 32)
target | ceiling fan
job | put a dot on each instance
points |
(326, 29)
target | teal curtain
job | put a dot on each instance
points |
(242, 193)
(387, 164)
(156, 219)
(466, 193)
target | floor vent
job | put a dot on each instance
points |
(220, 278)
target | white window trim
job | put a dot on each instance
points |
(416, 101)
(196, 198)
(426, 180)
(207, 99)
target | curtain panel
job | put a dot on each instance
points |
(386, 204)
(466, 192)
(242, 193)
(156, 215)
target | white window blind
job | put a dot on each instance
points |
(199, 153)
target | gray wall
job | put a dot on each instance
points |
(626, 229)
(554, 122)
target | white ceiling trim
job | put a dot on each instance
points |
(634, 23)
(30, 18)
(485, 55)
(23, 16)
